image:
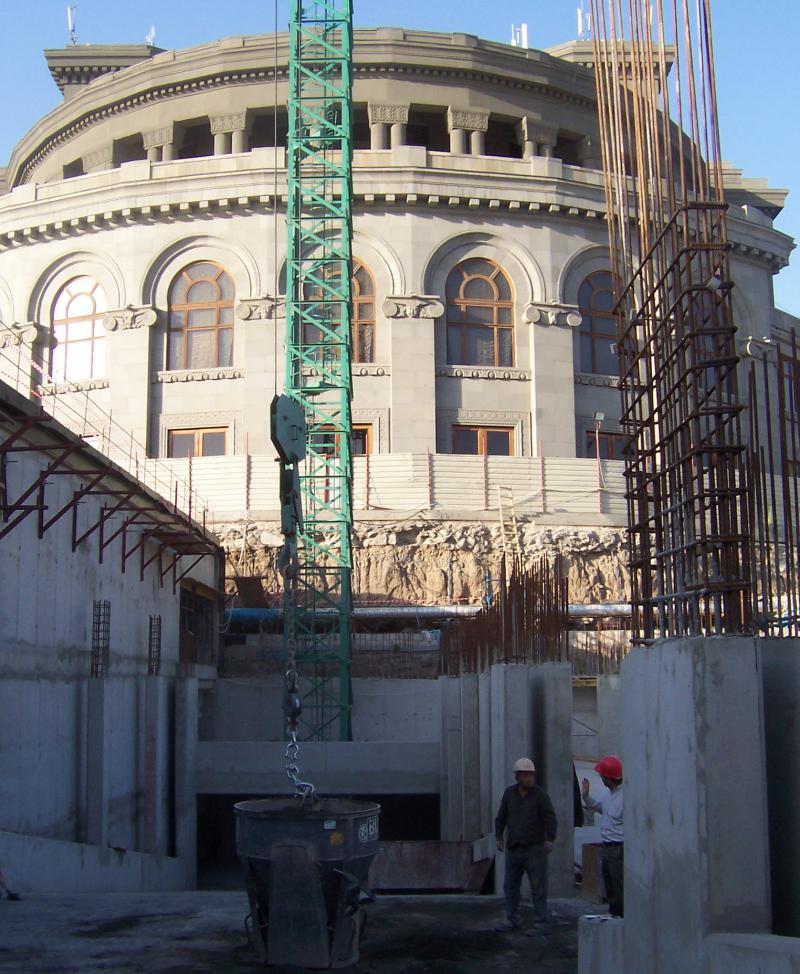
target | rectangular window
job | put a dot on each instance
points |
(196, 443)
(197, 636)
(611, 445)
(492, 441)
(362, 439)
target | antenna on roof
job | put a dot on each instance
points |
(150, 36)
(73, 34)
(584, 23)
(519, 35)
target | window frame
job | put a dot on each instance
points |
(198, 432)
(182, 332)
(587, 329)
(482, 432)
(367, 428)
(359, 300)
(462, 305)
(96, 341)
(615, 441)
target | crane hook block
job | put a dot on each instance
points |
(288, 429)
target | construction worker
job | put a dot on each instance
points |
(611, 831)
(527, 814)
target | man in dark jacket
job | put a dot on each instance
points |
(527, 813)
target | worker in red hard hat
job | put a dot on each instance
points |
(611, 831)
(526, 814)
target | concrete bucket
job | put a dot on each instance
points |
(306, 868)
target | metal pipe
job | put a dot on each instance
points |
(596, 610)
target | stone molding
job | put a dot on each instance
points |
(130, 317)
(195, 375)
(530, 130)
(482, 372)
(252, 309)
(369, 368)
(390, 114)
(235, 122)
(468, 119)
(539, 313)
(27, 333)
(590, 379)
(412, 306)
(156, 138)
(85, 385)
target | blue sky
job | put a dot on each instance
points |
(758, 65)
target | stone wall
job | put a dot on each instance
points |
(429, 561)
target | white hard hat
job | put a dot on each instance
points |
(524, 764)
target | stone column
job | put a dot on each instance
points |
(230, 133)
(128, 366)
(100, 160)
(160, 143)
(185, 777)
(590, 154)
(413, 365)
(552, 379)
(536, 138)
(460, 122)
(385, 119)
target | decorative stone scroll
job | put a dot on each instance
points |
(413, 306)
(228, 123)
(254, 309)
(469, 120)
(388, 114)
(553, 314)
(27, 333)
(130, 317)
(196, 375)
(757, 348)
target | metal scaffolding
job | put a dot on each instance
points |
(318, 346)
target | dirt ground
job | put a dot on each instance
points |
(204, 932)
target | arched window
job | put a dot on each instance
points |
(363, 314)
(480, 314)
(362, 289)
(77, 326)
(201, 302)
(598, 331)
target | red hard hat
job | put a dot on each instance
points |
(609, 767)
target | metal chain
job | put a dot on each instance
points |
(304, 791)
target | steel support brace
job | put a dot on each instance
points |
(37, 486)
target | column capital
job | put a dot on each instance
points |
(532, 130)
(26, 333)
(552, 313)
(253, 309)
(470, 119)
(413, 306)
(156, 138)
(130, 317)
(233, 122)
(389, 114)
(99, 160)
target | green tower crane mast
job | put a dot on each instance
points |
(318, 599)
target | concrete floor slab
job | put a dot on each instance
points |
(203, 932)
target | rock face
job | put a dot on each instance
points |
(430, 562)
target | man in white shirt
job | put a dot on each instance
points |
(611, 831)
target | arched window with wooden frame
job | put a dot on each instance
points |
(598, 330)
(77, 327)
(201, 299)
(362, 288)
(363, 291)
(480, 314)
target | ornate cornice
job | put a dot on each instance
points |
(481, 372)
(412, 306)
(552, 314)
(587, 379)
(195, 375)
(390, 114)
(468, 119)
(27, 333)
(252, 309)
(130, 317)
(61, 388)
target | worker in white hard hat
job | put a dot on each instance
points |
(527, 819)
